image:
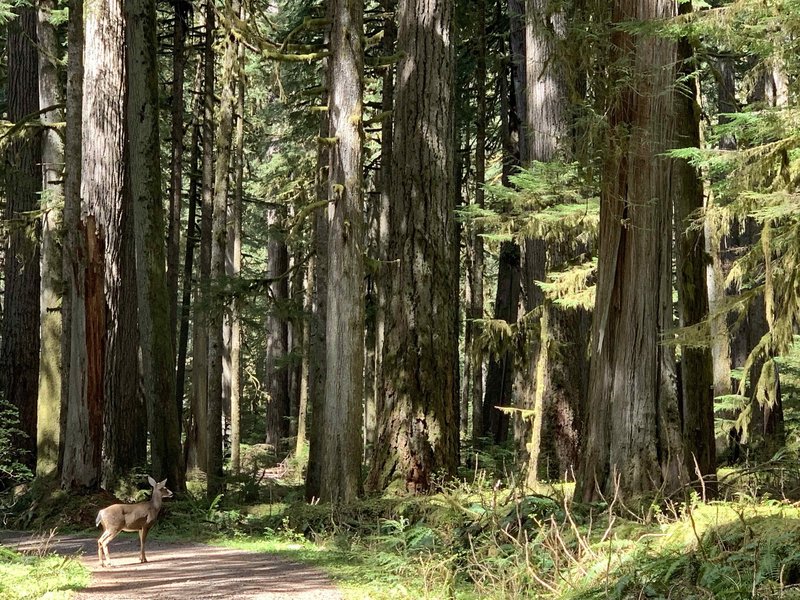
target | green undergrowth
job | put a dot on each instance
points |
(40, 576)
(477, 541)
(482, 540)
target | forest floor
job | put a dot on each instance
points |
(180, 570)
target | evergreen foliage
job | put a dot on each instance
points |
(12, 461)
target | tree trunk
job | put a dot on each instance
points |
(544, 124)
(49, 430)
(561, 388)
(382, 217)
(715, 271)
(633, 444)
(276, 370)
(500, 371)
(125, 437)
(697, 375)
(218, 252)
(154, 299)
(418, 431)
(344, 382)
(81, 434)
(102, 216)
(765, 434)
(180, 27)
(190, 447)
(319, 308)
(200, 340)
(500, 374)
(561, 360)
(19, 347)
(295, 334)
(474, 359)
(126, 427)
(516, 46)
(233, 267)
(305, 367)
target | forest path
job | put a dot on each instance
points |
(179, 570)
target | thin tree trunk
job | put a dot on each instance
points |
(190, 447)
(500, 369)
(219, 233)
(715, 271)
(276, 370)
(697, 373)
(50, 407)
(305, 367)
(200, 341)
(475, 359)
(180, 27)
(295, 335)
(19, 346)
(233, 269)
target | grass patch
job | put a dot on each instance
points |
(42, 577)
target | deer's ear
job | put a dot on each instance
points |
(163, 484)
(151, 480)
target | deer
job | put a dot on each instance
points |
(130, 517)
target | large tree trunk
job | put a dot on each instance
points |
(125, 436)
(561, 363)
(319, 306)
(157, 350)
(344, 382)
(382, 225)
(418, 432)
(101, 226)
(49, 429)
(82, 435)
(19, 347)
(218, 252)
(633, 444)
(697, 376)
(561, 388)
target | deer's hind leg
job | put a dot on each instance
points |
(102, 546)
(142, 537)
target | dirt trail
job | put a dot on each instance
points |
(185, 571)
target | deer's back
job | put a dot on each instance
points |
(127, 517)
